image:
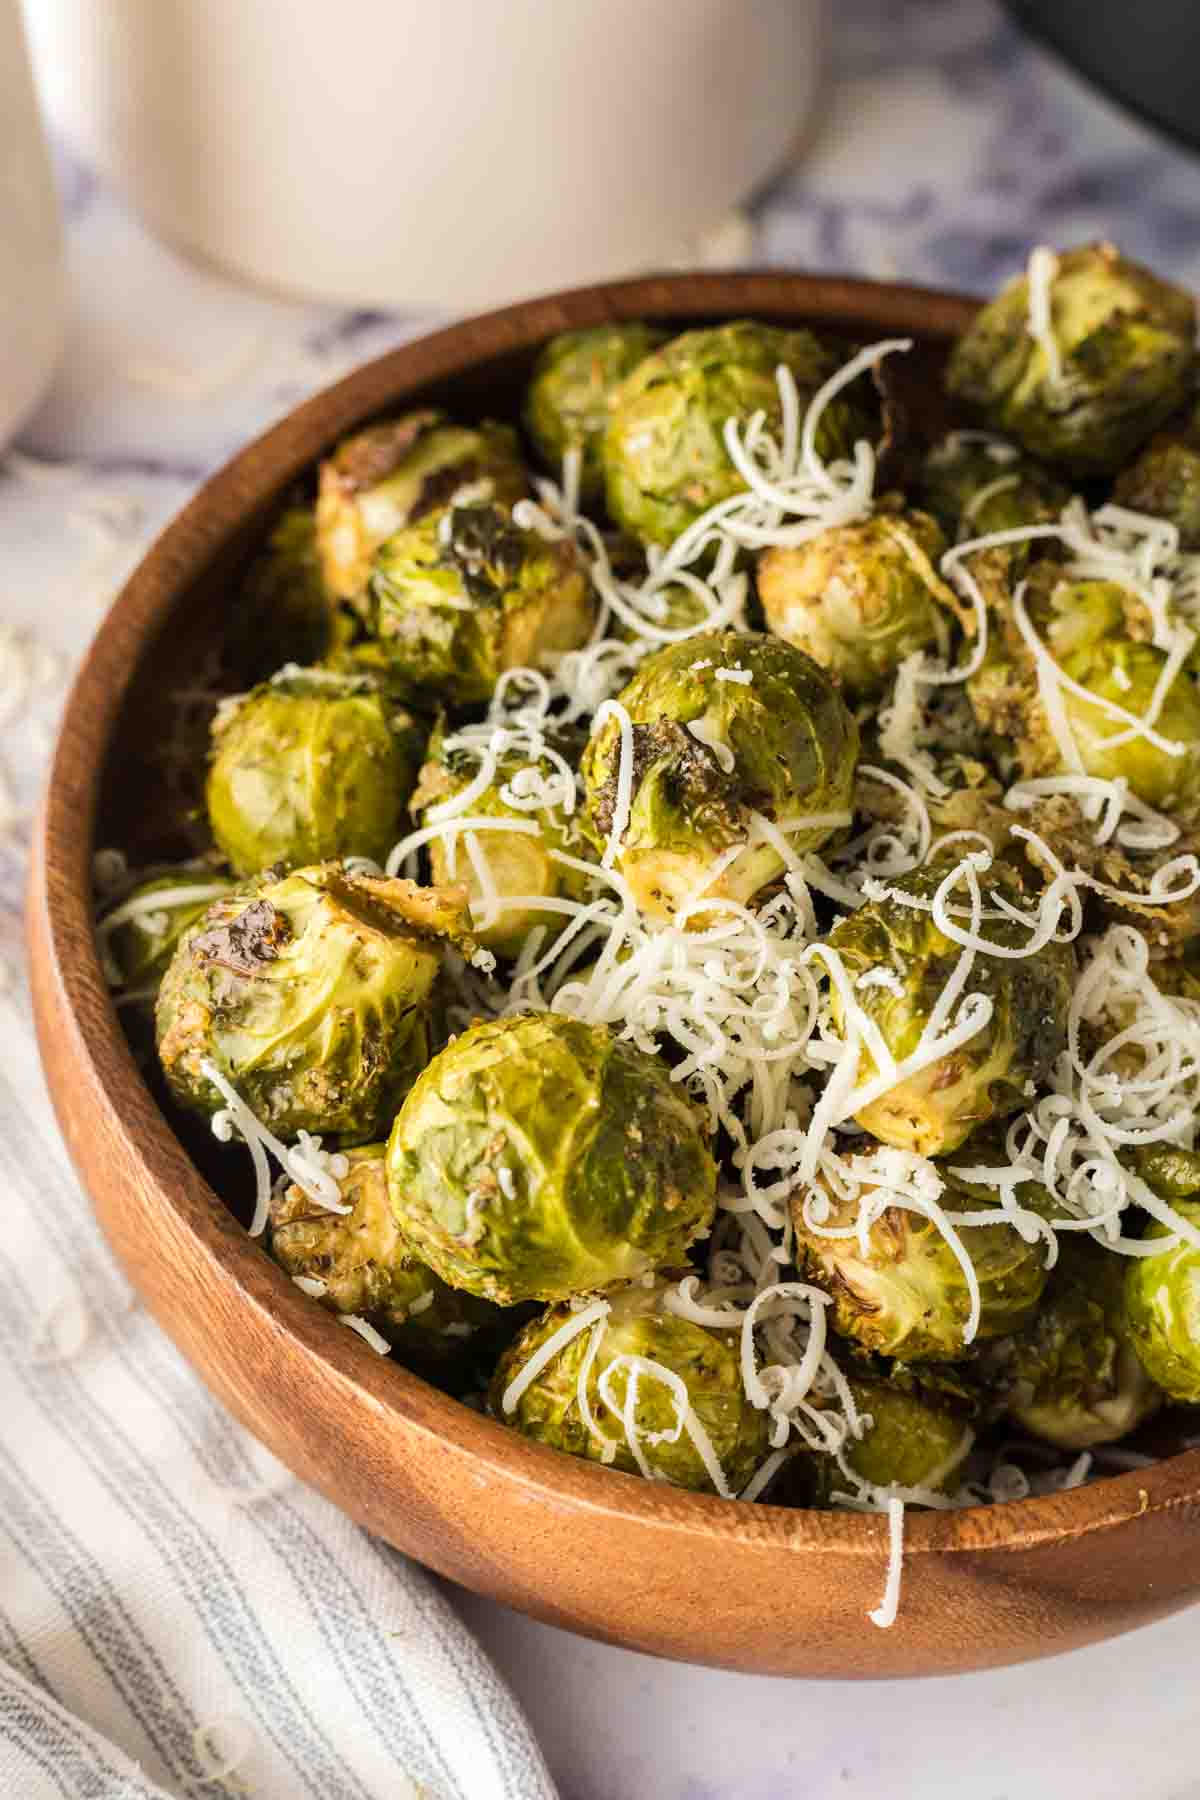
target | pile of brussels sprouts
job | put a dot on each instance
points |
(437, 705)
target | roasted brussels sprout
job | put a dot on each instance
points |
(1174, 1174)
(364, 1267)
(1162, 1301)
(712, 748)
(284, 612)
(1165, 480)
(313, 764)
(1062, 829)
(860, 598)
(664, 455)
(1083, 624)
(140, 933)
(460, 598)
(309, 993)
(934, 1110)
(916, 1438)
(1071, 1377)
(1124, 343)
(573, 380)
(518, 864)
(909, 1297)
(391, 476)
(641, 1342)
(1127, 674)
(539, 1157)
(975, 485)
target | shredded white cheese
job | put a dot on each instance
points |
(301, 1163)
(367, 1332)
(706, 734)
(312, 1285)
(1043, 267)
(884, 1615)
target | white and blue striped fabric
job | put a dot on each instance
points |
(178, 1615)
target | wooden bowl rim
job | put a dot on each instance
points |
(61, 894)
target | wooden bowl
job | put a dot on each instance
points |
(704, 1580)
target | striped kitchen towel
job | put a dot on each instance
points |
(178, 1615)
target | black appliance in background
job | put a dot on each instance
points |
(1143, 53)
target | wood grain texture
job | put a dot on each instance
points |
(749, 1587)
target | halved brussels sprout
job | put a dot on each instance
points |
(313, 764)
(1125, 343)
(860, 598)
(1085, 627)
(540, 1157)
(909, 1297)
(974, 487)
(632, 1343)
(393, 475)
(1165, 480)
(936, 1109)
(519, 865)
(1162, 1301)
(664, 455)
(461, 597)
(711, 749)
(1071, 1377)
(284, 612)
(309, 992)
(365, 1268)
(567, 403)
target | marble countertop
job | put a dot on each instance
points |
(947, 145)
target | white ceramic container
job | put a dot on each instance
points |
(31, 268)
(446, 153)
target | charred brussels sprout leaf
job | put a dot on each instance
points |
(665, 460)
(310, 993)
(909, 1298)
(284, 611)
(708, 753)
(860, 598)
(1162, 1298)
(520, 866)
(934, 1110)
(458, 599)
(141, 932)
(1072, 1376)
(366, 1268)
(393, 475)
(1125, 343)
(540, 1157)
(638, 1339)
(314, 764)
(567, 404)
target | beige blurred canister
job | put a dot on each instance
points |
(32, 296)
(444, 153)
